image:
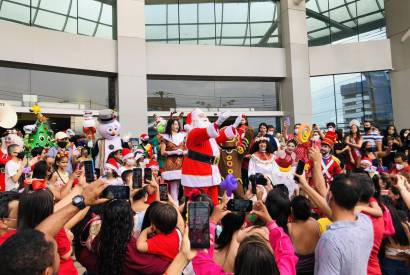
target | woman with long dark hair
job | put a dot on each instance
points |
(226, 245)
(173, 149)
(114, 249)
(36, 206)
(391, 143)
(263, 161)
(396, 248)
(354, 140)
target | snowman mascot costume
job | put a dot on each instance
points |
(109, 129)
(200, 167)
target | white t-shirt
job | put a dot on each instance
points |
(11, 169)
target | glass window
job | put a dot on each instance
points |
(88, 17)
(164, 95)
(346, 20)
(56, 90)
(362, 96)
(215, 23)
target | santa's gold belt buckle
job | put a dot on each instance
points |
(216, 161)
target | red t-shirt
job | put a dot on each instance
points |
(166, 245)
(404, 170)
(373, 267)
(7, 235)
(151, 198)
(63, 247)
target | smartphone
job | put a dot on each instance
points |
(313, 126)
(198, 222)
(163, 192)
(239, 205)
(286, 121)
(147, 174)
(119, 192)
(299, 169)
(88, 170)
(136, 178)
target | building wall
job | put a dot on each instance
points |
(398, 23)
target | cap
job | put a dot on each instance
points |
(61, 135)
(153, 164)
(126, 154)
(106, 116)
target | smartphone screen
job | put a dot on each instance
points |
(299, 169)
(198, 222)
(239, 205)
(147, 174)
(163, 192)
(89, 170)
(136, 178)
(119, 192)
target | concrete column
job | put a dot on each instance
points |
(398, 23)
(132, 80)
(295, 93)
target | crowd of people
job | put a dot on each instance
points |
(346, 213)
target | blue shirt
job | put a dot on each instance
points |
(344, 249)
(372, 138)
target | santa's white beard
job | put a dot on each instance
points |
(201, 123)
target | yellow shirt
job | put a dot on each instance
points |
(324, 224)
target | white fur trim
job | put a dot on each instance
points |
(211, 131)
(128, 156)
(171, 175)
(201, 181)
(230, 132)
(110, 166)
(175, 139)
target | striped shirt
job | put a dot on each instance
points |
(372, 138)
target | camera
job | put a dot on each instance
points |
(256, 179)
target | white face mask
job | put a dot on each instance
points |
(399, 166)
(270, 133)
(315, 138)
(130, 162)
(296, 131)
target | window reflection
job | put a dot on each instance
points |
(362, 96)
(241, 23)
(164, 95)
(56, 90)
(87, 17)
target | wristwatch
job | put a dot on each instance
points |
(78, 201)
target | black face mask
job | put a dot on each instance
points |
(20, 155)
(62, 144)
(366, 129)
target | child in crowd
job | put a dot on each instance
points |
(162, 237)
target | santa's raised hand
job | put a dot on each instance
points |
(222, 117)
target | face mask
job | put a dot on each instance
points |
(62, 144)
(130, 162)
(367, 129)
(296, 131)
(399, 166)
(270, 133)
(20, 155)
(315, 138)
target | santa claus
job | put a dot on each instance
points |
(200, 167)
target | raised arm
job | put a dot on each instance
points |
(318, 179)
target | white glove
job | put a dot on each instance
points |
(237, 121)
(222, 117)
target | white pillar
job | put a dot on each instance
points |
(132, 80)
(295, 93)
(398, 22)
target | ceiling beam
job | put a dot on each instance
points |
(327, 20)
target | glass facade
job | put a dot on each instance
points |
(362, 96)
(238, 23)
(344, 21)
(165, 95)
(54, 90)
(86, 17)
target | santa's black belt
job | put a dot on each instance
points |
(203, 158)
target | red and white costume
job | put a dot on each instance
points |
(204, 141)
(330, 168)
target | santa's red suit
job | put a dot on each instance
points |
(200, 167)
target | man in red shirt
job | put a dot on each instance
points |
(401, 164)
(8, 214)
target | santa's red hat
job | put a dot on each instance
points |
(153, 164)
(329, 139)
(190, 117)
(112, 164)
(127, 154)
(144, 137)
